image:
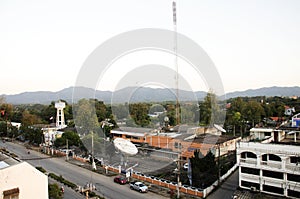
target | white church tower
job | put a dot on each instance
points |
(60, 117)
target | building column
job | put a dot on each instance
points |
(258, 160)
(240, 177)
(283, 163)
(261, 181)
(285, 185)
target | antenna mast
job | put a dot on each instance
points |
(176, 62)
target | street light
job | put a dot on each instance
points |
(177, 170)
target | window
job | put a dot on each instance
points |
(274, 157)
(249, 184)
(250, 170)
(11, 194)
(177, 145)
(265, 157)
(295, 159)
(128, 136)
(267, 134)
(272, 189)
(293, 193)
(273, 174)
(293, 177)
(247, 154)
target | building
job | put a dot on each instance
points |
(269, 168)
(50, 135)
(16, 124)
(60, 117)
(296, 120)
(21, 180)
(267, 134)
(184, 142)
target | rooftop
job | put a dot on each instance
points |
(6, 161)
(207, 138)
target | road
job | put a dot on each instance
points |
(227, 188)
(80, 176)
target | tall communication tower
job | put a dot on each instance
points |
(177, 115)
(177, 94)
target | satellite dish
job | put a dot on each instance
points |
(166, 119)
(219, 128)
(125, 146)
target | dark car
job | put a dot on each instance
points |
(120, 180)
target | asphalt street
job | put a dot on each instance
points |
(80, 176)
(227, 188)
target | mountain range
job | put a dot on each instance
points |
(132, 94)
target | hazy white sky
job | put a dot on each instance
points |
(253, 43)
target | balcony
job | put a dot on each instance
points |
(293, 167)
(248, 161)
(271, 164)
(249, 177)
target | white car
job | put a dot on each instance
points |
(186, 166)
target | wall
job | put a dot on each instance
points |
(32, 183)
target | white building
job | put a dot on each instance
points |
(16, 124)
(60, 116)
(269, 168)
(267, 134)
(21, 180)
(50, 135)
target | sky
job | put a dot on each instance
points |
(252, 43)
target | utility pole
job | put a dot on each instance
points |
(93, 162)
(67, 152)
(219, 169)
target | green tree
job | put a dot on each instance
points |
(72, 137)
(54, 191)
(3, 128)
(101, 110)
(204, 169)
(253, 112)
(210, 112)
(6, 111)
(85, 116)
(29, 119)
(139, 113)
(33, 135)
(236, 120)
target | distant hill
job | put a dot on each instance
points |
(266, 91)
(132, 94)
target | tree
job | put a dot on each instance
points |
(29, 119)
(33, 135)
(120, 111)
(139, 113)
(253, 112)
(72, 137)
(204, 169)
(6, 111)
(48, 112)
(85, 116)
(236, 119)
(54, 191)
(210, 112)
(101, 111)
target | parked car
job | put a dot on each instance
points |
(139, 186)
(120, 180)
(186, 166)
